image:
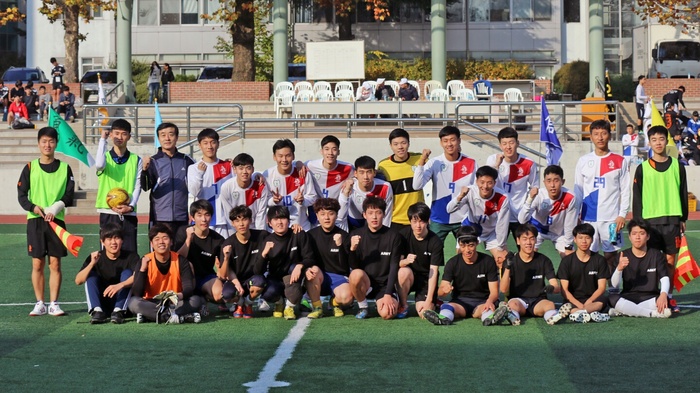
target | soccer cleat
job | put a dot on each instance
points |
(564, 312)
(204, 310)
(279, 308)
(264, 306)
(39, 309)
(436, 319)
(97, 317)
(174, 319)
(239, 312)
(581, 316)
(316, 313)
(402, 313)
(513, 319)
(140, 318)
(248, 312)
(673, 305)
(613, 312)
(117, 317)
(289, 313)
(599, 317)
(665, 314)
(55, 310)
(305, 305)
(195, 317)
(362, 314)
(498, 315)
(338, 312)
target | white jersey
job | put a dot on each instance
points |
(602, 187)
(288, 186)
(448, 179)
(489, 215)
(255, 196)
(551, 217)
(354, 202)
(207, 185)
(629, 145)
(516, 180)
(329, 182)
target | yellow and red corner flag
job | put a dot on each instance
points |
(72, 242)
(686, 268)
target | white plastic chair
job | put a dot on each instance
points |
(324, 96)
(305, 96)
(481, 90)
(343, 86)
(282, 86)
(303, 86)
(439, 95)
(430, 86)
(284, 101)
(373, 84)
(394, 85)
(345, 95)
(465, 95)
(513, 95)
(322, 86)
(453, 87)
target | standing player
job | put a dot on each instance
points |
(44, 189)
(528, 278)
(517, 174)
(365, 185)
(642, 272)
(108, 276)
(640, 101)
(583, 277)
(56, 78)
(419, 269)
(206, 178)
(602, 187)
(449, 172)
(288, 187)
(553, 211)
(165, 174)
(397, 169)
(119, 168)
(243, 190)
(329, 174)
(661, 197)
(472, 278)
(629, 145)
(374, 254)
(488, 210)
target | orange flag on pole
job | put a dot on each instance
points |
(72, 242)
(686, 268)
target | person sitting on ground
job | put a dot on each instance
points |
(406, 91)
(66, 104)
(31, 101)
(18, 90)
(472, 278)
(44, 103)
(642, 272)
(108, 276)
(18, 117)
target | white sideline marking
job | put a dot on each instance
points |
(266, 378)
(31, 304)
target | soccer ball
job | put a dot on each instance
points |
(117, 197)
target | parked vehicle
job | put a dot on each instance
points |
(216, 74)
(24, 74)
(89, 86)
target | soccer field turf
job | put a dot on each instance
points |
(334, 354)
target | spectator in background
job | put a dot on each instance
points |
(44, 102)
(406, 91)
(17, 111)
(18, 90)
(384, 92)
(165, 78)
(5, 97)
(66, 104)
(365, 93)
(57, 72)
(154, 81)
(31, 101)
(693, 124)
(640, 100)
(674, 99)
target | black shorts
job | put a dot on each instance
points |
(640, 110)
(666, 238)
(378, 290)
(57, 85)
(420, 287)
(531, 303)
(468, 303)
(42, 240)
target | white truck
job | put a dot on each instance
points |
(665, 52)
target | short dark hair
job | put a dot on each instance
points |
(487, 170)
(159, 228)
(47, 131)
(201, 204)
(640, 77)
(283, 143)
(584, 229)
(600, 124)
(326, 204)
(630, 126)
(365, 162)
(420, 211)
(110, 230)
(207, 133)
(121, 124)
(657, 130)
(330, 139)
(525, 228)
(42, 87)
(52, 60)
(554, 170)
(681, 87)
(277, 212)
(640, 223)
(467, 234)
(449, 130)
(398, 133)
(65, 88)
(507, 132)
(243, 159)
(163, 126)
(240, 211)
(373, 202)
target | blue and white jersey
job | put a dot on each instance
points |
(554, 217)
(489, 215)
(602, 187)
(448, 179)
(516, 179)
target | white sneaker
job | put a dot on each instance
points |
(55, 310)
(174, 319)
(613, 312)
(39, 309)
(665, 314)
(580, 316)
(599, 317)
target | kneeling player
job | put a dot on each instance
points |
(108, 276)
(642, 272)
(164, 275)
(288, 260)
(374, 254)
(472, 277)
(327, 241)
(524, 278)
(419, 270)
(583, 277)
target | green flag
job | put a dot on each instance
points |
(68, 142)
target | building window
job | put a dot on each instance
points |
(96, 12)
(500, 11)
(479, 11)
(91, 63)
(572, 11)
(543, 9)
(147, 13)
(210, 7)
(522, 10)
(309, 11)
(455, 11)
(509, 10)
(190, 12)
(170, 12)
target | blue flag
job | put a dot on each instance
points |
(548, 135)
(158, 122)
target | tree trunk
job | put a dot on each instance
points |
(243, 33)
(344, 27)
(71, 42)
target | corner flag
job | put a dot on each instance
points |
(158, 122)
(686, 268)
(71, 242)
(68, 142)
(548, 135)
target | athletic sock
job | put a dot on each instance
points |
(363, 304)
(517, 314)
(116, 309)
(486, 314)
(448, 312)
(96, 309)
(317, 304)
(550, 313)
(290, 304)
